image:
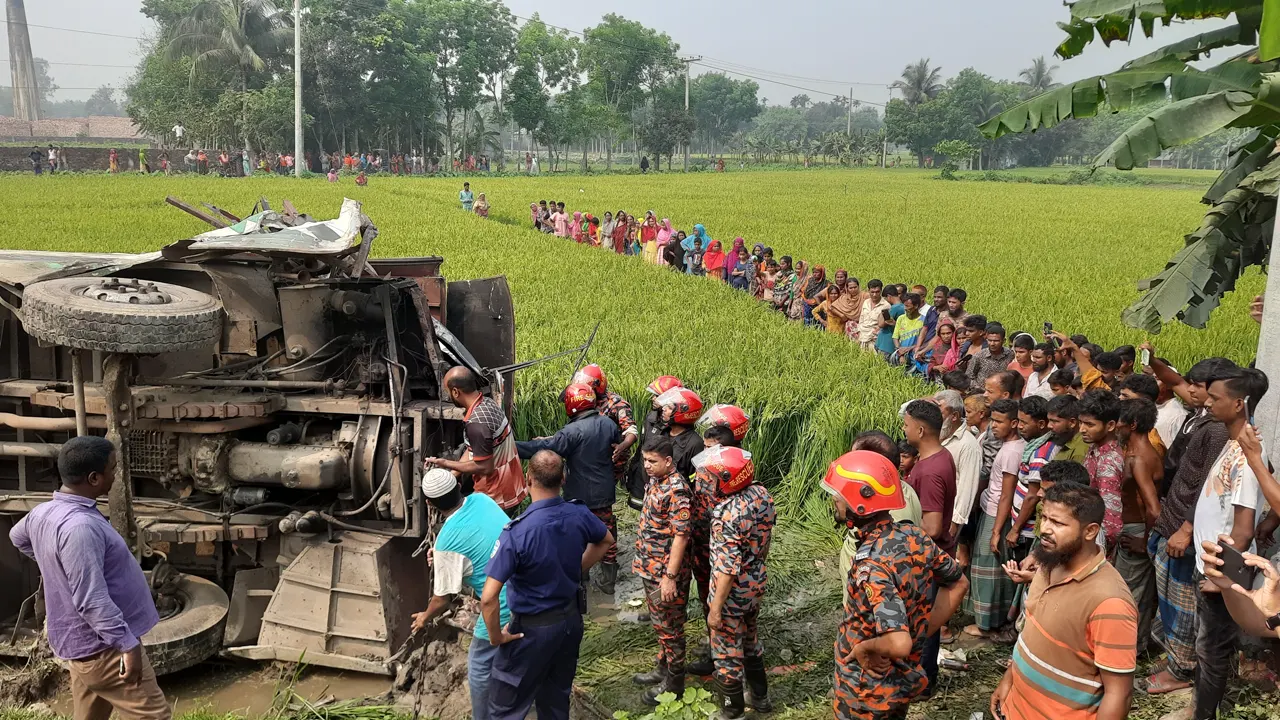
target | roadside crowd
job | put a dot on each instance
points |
(1096, 507)
(924, 333)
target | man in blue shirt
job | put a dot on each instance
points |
(465, 197)
(586, 444)
(97, 601)
(459, 558)
(539, 561)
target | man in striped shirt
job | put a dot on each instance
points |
(1077, 653)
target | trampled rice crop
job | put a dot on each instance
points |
(1026, 254)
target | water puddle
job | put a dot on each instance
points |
(248, 689)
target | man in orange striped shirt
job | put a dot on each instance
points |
(1077, 653)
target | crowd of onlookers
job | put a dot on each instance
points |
(1168, 462)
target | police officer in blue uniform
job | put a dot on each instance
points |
(539, 558)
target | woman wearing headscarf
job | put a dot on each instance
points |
(784, 286)
(848, 306)
(823, 313)
(942, 348)
(732, 255)
(753, 278)
(620, 223)
(481, 207)
(714, 260)
(606, 230)
(699, 233)
(633, 235)
(675, 252)
(813, 287)
(797, 308)
(664, 238)
(534, 216)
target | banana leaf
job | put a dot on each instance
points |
(1269, 38)
(1174, 124)
(1198, 46)
(1120, 90)
(1235, 234)
(1244, 161)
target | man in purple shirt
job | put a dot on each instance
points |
(98, 604)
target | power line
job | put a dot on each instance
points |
(801, 78)
(93, 65)
(787, 85)
(72, 30)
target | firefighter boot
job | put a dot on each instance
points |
(672, 683)
(702, 665)
(608, 577)
(757, 684)
(657, 675)
(732, 704)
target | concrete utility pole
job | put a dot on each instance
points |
(848, 130)
(884, 150)
(298, 156)
(22, 66)
(1267, 415)
(686, 62)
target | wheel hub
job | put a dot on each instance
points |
(129, 291)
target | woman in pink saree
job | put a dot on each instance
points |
(665, 234)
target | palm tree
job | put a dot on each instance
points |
(239, 36)
(919, 82)
(1038, 78)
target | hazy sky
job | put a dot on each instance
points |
(862, 42)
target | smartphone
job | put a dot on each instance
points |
(1048, 328)
(122, 666)
(1234, 567)
(1145, 357)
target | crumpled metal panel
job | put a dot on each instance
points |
(268, 232)
(23, 267)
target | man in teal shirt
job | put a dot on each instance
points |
(465, 197)
(460, 557)
(884, 338)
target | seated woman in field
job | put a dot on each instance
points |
(481, 207)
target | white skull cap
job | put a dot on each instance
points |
(437, 482)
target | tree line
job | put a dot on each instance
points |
(928, 111)
(452, 78)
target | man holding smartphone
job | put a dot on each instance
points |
(1230, 505)
(97, 600)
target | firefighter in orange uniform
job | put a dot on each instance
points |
(741, 530)
(890, 611)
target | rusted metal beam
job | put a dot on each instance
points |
(184, 207)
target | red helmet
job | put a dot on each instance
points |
(685, 404)
(663, 384)
(729, 416)
(592, 375)
(577, 398)
(728, 468)
(867, 481)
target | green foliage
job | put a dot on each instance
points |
(624, 61)
(954, 151)
(694, 704)
(722, 105)
(1238, 93)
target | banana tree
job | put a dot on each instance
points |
(1243, 91)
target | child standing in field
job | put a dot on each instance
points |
(693, 260)
(333, 174)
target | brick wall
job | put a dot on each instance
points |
(78, 159)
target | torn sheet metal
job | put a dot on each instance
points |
(23, 267)
(271, 232)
